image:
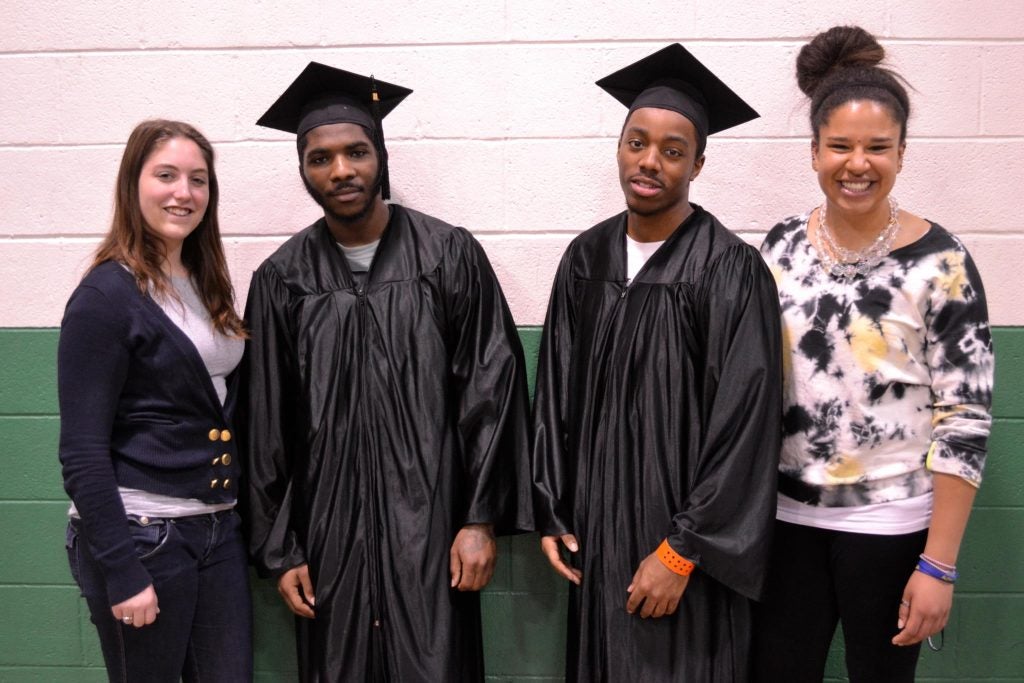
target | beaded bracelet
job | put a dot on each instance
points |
(673, 560)
(925, 566)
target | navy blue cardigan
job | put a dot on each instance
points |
(137, 409)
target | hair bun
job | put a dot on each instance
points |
(837, 48)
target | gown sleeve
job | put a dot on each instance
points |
(489, 392)
(726, 522)
(92, 365)
(552, 484)
(268, 394)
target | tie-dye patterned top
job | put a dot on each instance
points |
(888, 376)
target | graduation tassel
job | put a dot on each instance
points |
(385, 183)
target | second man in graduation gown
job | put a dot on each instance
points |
(387, 410)
(658, 405)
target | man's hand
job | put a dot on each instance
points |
(473, 556)
(139, 610)
(297, 590)
(549, 546)
(924, 609)
(656, 586)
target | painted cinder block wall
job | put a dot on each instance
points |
(506, 135)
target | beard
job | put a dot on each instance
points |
(356, 217)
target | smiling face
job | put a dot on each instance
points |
(657, 158)
(340, 170)
(174, 191)
(857, 156)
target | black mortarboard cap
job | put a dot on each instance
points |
(674, 79)
(323, 94)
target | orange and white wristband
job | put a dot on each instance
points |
(673, 560)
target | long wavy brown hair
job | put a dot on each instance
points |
(131, 242)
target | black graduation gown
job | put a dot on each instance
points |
(657, 415)
(381, 419)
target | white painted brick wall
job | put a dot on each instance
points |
(506, 133)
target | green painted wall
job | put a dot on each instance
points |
(45, 634)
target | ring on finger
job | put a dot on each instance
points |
(127, 619)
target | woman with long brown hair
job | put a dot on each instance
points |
(148, 345)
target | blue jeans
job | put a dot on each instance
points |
(204, 630)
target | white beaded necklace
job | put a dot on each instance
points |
(846, 264)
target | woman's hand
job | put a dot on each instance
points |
(139, 610)
(924, 609)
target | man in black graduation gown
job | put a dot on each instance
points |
(387, 409)
(657, 413)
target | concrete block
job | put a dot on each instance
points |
(33, 550)
(37, 278)
(991, 552)
(225, 25)
(945, 82)
(1002, 111)
(62, 190)
(408, 21)
(36, 84)
(535, 20)
(750, 185)
(1004, 469)
(962, 183)
(989, 638)
(783, 18)
(1008, 398)
(261, 190)
(71, 95)
(531, 572)
(260, 676)
(29, 457)
(501, 579)
(120, 25)
(273, 631)
(998, 258)
(462, 182)
(549, 91)
(491, 91)
(244, 256)
(39, 624)
(28, 378)
(53, 674)
(561, 185)
(524, 634)
(525, 266)
(530, 337)
(40, 27)
(957, 20)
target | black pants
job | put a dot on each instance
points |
(818, 577)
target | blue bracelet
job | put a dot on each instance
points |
(926, 567)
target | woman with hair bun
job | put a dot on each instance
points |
(888, 362)
(145, 368)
